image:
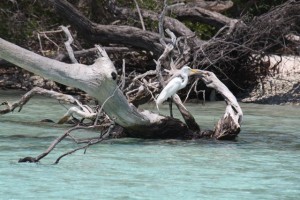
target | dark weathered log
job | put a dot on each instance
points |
(167, 128)
(202, 15)
(93, 52)
(126, 35)
(217, 6)
(177, 27)
(187, 116)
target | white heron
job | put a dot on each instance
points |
(177, 83)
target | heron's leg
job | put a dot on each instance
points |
(170, 106)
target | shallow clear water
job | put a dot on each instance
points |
(263, 163)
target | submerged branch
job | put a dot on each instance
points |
(66, 134)
(10, 107)
(50, 148)
(90, 143)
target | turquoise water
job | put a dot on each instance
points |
(263, 163)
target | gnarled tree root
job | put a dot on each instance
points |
(226, 129)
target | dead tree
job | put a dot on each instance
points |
(205, 54)
(99, 79)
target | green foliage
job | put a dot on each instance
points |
(19, 20)
(254, 7)
(151, 25)
(203, 31)
(125, 3)
(154, 5)
(151, 4)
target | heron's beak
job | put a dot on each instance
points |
(197, 72)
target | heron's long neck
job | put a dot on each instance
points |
(185, 80)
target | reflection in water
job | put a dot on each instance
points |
(263, 163)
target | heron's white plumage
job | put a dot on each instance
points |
(174, 85)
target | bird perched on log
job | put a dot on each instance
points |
(178, 82)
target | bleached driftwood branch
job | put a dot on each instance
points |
(83, 110)
(98, 80)
(228, 127)
(10, 107)
(68, 44)
(86, 113)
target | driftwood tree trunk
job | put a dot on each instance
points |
(235, 40)
(98, 81)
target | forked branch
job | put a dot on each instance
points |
(10, 107)
(228, 127)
